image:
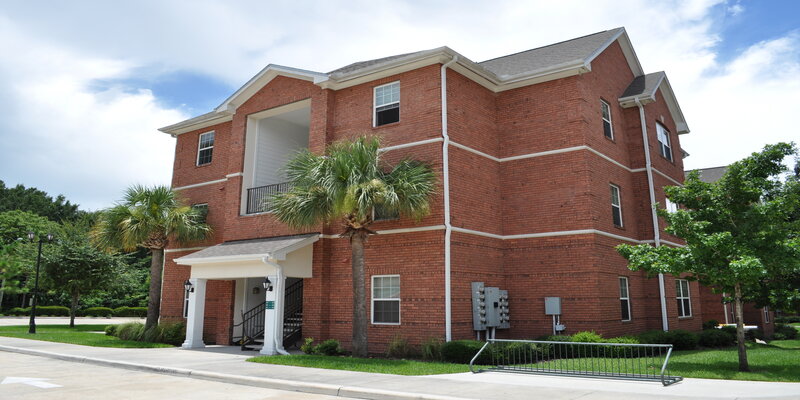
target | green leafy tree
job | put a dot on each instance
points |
(149, 218)
(38, 202)
(18, 255)
(346, 185)
(740, 237)
(75, 267)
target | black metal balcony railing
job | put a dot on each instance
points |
(258, 198)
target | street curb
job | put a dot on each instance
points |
(271, 383)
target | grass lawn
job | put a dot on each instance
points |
(778, 361)
(81, 334)
(375, 365)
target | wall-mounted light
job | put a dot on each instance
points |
(267, 284)
(188, 286)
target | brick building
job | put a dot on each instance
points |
(547, 159)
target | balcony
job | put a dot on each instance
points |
(259, 198)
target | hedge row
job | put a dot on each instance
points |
(173, 333)
(791, 319)
(60, 311)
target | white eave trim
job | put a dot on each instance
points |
(669, 97)
(277, 255)
(262, 79)
(200, 122)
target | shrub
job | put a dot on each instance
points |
(729, 329)
(398, 348)
(48, 311)
(308, 346)
(784, 332)
(710, 324)
(173, 333)
(717, 338)
(140, 312)
(98, 312)
(462, 351)
(18, 311)
(584, 350)
(754, 334)
(790, 319)
(329, 347)
(679, 339)
(432, 349)
(622, 351)
(111, 330)
(130, 331)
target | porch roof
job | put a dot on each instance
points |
(275, 248)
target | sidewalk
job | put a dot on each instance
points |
(222, 364)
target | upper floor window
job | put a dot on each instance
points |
(205, 148)
(202, 210)
(683, 298)
(766, 314)
(381, 214)
(670, 206)
(386, 109)
(616, 206)
(664, 145)
(386, 299)
(624, 299)
(608, 130)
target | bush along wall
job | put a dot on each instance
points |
(173, 333)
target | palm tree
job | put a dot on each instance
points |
(149, 218)
(346, 185)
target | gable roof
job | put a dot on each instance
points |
(643, 89)
(555, 61)
(709, 175)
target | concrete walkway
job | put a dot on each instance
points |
(223, 364)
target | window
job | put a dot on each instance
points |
(387, 104)
(664, 146)
(605, 110)
(381, 214)
(202, 210)
(616, 206)
(624, 299)
(682, 295)
(766, 314)
(386, 299)
(670, 206)
(205, 148)
(185, 303)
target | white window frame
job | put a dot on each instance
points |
(680, 296)
(627, 297)
(766, 314)
(199, 149)
(375, 103)
(670, 206)
(664, 142)
(186, 303)
(374, 299)
(202, 205)
(618, 206)
(611, 125)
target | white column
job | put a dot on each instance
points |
(270, 316)
(194, 322)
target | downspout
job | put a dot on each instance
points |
(656, 229)
(448, 227)
(277, 327)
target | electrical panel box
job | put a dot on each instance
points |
(489, 307)
(478, 307)
(552, 305)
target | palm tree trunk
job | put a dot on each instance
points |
(154, 298)
(359, 296)
(743, 366)
(72, 309)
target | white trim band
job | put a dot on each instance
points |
(185, 249)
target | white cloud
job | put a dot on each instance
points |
(66, 137)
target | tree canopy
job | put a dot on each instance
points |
(38, 202)
(740, 236)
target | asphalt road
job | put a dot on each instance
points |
(32, 378)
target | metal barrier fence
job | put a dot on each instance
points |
(646, 362)
(258, 198)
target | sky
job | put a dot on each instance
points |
(85, 85)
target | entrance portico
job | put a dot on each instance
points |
(272, 258)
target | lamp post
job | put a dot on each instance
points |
(31, 235)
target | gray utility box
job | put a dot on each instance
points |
(552, 305)
(489, 307)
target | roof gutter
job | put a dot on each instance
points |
(656, 229)
(448, 227)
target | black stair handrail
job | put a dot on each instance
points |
(253, 324)
(293, 313)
